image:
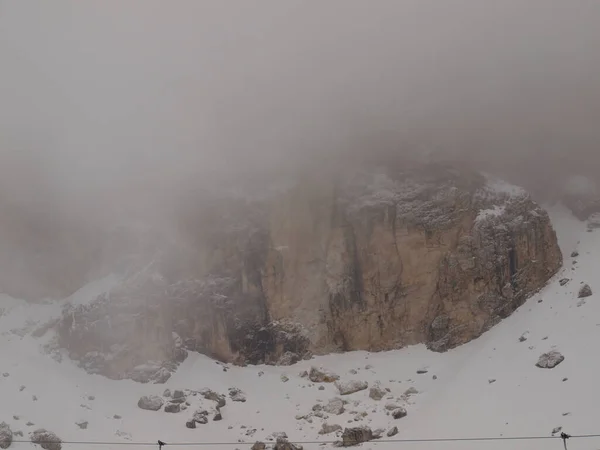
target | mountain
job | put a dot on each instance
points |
(489, 387)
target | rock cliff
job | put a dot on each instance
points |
(365, 259)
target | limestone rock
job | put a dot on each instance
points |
(322, 376)
(151, 403)
(201, 417)
(237, 395)
(377, 392)
(350, 387)
(6, 436)
(328, 429)
(550, 360)
(392, 432)
(399, 413)
(214, 396)
(283, 444)
(173, 408)
(585, 291)
(334, 406)
(356, 436)
(46, 439)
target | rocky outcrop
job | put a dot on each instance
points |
(370, 259)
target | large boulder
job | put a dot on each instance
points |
(46, 439)
(585, 291)
(350, 387)
(334, 406)
(320, 375)
(151, 402)
(550, 360)
(356, 436)
(6, 436)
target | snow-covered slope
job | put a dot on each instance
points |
(456, 396)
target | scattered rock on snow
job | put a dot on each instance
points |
(167, 393)
(585, 291)
(377, 392)
(218, 417)
(574, 254)
(237, 395)
(173, 408)
(284, 378)
(355, 436)
(215, 397)
(564, 281)
(422, 371)
(399, 413)
(6, 436)
(350, 387)
(151, 403)
(556, 430)
(524, 337)
(393, 432)
(46, 439)
(550, 360)
(284, 444)
(191, 424)
(322, 376)
(258, 446)
(491, 380)
(83, 425)
(328, 429)
(334, 406)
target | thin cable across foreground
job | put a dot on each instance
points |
(563, 437)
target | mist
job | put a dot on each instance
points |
(110, 109)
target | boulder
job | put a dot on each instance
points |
(335, 406)
(201, 417)
(283, 444)
(399, 413)
(328, 429)
(46, 439)
(550, 360)
(377, 392)
(258, 446)
(322, 376)
(393, 432)
(356, 436)
(151, 403)
(237, 395)
(6, 436)
(191, 424)
(585, 291)
(350, 387)
(173, 408)
(209, 394)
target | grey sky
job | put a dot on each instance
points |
(137, 95)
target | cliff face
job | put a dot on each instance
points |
(371, 259)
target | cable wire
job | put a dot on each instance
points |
(376, 441)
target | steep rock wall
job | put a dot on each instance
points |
(367, 259)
